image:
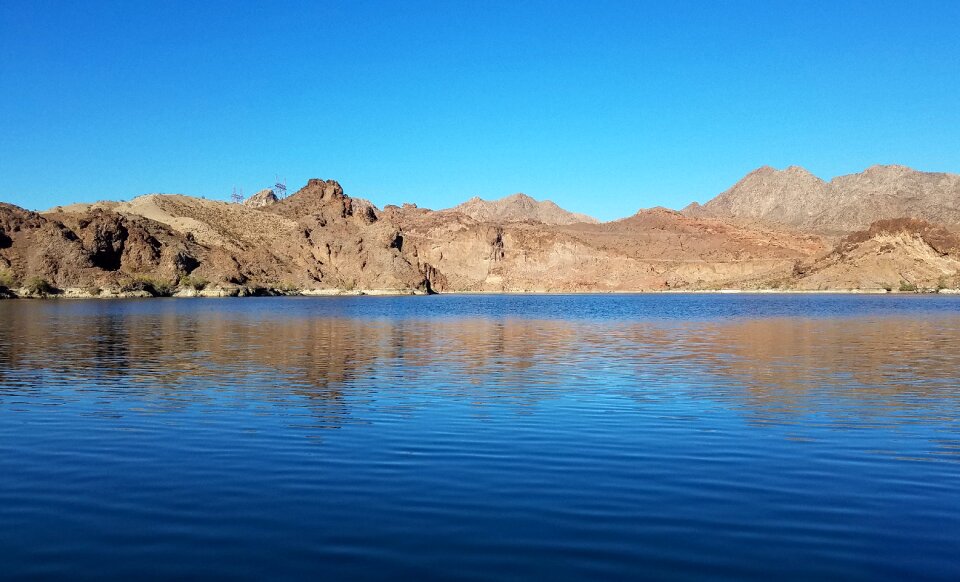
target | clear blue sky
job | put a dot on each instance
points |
(604, 107)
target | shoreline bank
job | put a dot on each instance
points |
(241, 291)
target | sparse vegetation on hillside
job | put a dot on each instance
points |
(191, 282)
(39, 287)
(906, 287)
(155, 287)
(948, 282)
(7, 280)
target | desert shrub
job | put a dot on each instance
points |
(7, 279)
(906, 287)
(195, 283)
(944, 282)
(279, 288)
(773, 284)
(40, 287)
(155, 287)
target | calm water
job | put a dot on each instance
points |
(590, 437)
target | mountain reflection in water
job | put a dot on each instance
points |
(607, 435)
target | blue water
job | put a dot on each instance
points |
(478, 437)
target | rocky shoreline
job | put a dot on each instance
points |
(223, 292)
(210, 292)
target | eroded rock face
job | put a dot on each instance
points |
(323, 201)
(892, 254)
(655, 250)
(317, 239)
(92, 248)
(936, 236)
(105, 236)
(262, 198)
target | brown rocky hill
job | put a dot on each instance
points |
(519, 208)
(93, 248)
(890, 192)
(317, 240)
(899, 254)
(796, 198)
(654, 250)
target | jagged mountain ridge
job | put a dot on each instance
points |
(794, 197)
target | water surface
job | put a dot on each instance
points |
(478, 437)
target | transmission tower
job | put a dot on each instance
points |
(280, 188)
(237, 196)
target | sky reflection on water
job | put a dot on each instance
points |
(565, 436)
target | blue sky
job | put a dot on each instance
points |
(603, 107)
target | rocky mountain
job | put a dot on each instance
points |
(794, 197)
(888, 192)
(519, 208)
(50, 251)
(655, 250)
(317, 240)
(900, 254)
(767, 232)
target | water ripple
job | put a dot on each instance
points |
(612, 437)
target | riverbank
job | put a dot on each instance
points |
(207, 292)
(243, 291)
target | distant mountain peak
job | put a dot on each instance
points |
(798, 171)
(659, 210)
(899, 168)
(797, 198)
(519, 207)
(762, 170)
